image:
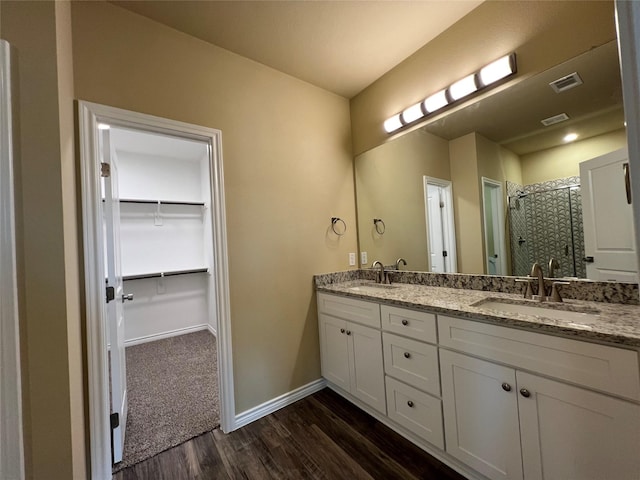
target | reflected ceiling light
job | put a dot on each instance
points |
(392, 124)
(413, 113)
(463, 87)
(501, 68)
(570, 137)
(436, 101)
(103, 126)
(487, 75)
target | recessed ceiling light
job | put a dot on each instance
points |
(570, 137)
(103, 126)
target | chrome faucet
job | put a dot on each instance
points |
(553, 265)
(381, 278)
(536, 271)
(404, 262)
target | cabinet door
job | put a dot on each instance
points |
(569, 433)
(366, 366)
(334, 350)
(481, 415)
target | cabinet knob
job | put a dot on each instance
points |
(525, 393)
(342, 330)
(410, 403)
(348, 332)
(506, 387)
(405, 322)
(407, 355)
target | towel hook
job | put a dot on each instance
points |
(335, 226)
(376, 223)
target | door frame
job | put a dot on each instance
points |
(449, 227)
(89, 116)
(11, 436)
(499, 223)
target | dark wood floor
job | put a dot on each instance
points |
(320, 437)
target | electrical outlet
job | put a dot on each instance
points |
(363, 258)
(352, 259)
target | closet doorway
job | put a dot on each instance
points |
(154, 230)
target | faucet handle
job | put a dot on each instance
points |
(555, 291)
(528, 294)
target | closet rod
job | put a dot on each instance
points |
(165, 274)
(161, 202)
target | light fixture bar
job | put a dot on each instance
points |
(492, 73)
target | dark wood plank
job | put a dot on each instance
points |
(322, 437)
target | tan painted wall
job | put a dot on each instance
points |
(542, 33)
(389, 185)
(467, 204)
(288, 170)
(47, 242)
(563, 161)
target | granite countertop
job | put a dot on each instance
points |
(615, 324)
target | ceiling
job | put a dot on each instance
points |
(340, 46)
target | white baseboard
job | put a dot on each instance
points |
(212, 330)
(160, 336)
(277, 403)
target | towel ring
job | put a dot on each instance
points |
(338, 230)
(376, 222)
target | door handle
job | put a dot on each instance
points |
(627, 181)
(128, 296)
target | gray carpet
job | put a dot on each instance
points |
(173, 394)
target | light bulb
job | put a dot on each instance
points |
(570, 137)
(413, 113)
(392, 124)
(497, 70)
(463, 87)
(436, 101)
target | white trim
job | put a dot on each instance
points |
(628, 30)
(212, 330)
(168, 334)
(449, 226)
(11, 435)
(501, 228)
(277, 403)
(440, 455)
(90, 114)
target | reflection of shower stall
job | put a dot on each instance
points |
(545, 220)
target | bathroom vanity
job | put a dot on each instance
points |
(493, 385)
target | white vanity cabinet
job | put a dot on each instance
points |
(351, 348)
(509, 424)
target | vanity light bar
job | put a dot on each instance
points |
(487, 75)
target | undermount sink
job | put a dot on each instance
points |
(575, 318)
(372, 288)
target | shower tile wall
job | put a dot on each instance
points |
(547, 222)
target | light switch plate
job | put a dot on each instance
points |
(352, 259)
(363, 258)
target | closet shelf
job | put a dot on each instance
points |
(161, 202)
(171, 273)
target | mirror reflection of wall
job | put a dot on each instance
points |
(501, 138)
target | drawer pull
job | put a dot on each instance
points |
(342, 330)
(348, 332)
(405, 322)
(410, 403)
(525, 393)
(407, 355)
(506, 387)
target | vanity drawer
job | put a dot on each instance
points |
(367, 313)
(410, 323)
(413, 362)
(416, 411)
(609, 369)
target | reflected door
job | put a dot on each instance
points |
(440, 227)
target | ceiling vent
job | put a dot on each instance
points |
(561, 117)
(566, 83)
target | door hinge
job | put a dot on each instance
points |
(111, 294)
(105, 170)
(588, 259)
(441, 204)
(115, 420)
(444, 253)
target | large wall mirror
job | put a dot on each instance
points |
(514, 186)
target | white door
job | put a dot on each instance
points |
(440, 227)
(334, 350)
(569, 433)
(436, 240)
(608, 218)
(366, 366)
(494, 232)
(481, 415)
(115, 317)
